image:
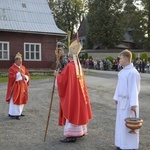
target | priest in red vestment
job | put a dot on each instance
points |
(75, 109)
(17, 89)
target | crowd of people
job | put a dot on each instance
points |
(105, 64)
(100, 64)
(142, 65)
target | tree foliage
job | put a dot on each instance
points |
(67, 13)
(104, 26)
(110, 58)
(133, 56)
(85, 56)
(144, 56)
(107, 20)
(132, 19)
(146, 23)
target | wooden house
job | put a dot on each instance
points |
(28, 27)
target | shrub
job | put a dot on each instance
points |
(133, 56)
(85, 55)
(144, 56)
(90, 57)
(110, 58)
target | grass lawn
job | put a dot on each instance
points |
(33, 77)
(36, 77)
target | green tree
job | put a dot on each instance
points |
(85, 55)
(103, 23)
(67, 13)
(146, 23)
(110, 58)
(133, 56)
(132, 20)
(144, 56)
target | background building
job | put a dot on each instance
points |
(28, 27)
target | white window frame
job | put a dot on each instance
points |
(39, 44)
(8, 50)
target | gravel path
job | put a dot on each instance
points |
(28, 133)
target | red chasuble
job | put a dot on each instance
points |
(74, 100)
(17, 89)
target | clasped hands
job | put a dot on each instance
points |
(56, 72)
(22, 74)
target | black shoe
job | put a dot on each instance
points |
(14, 117)
(10, 115)
(118, 148)
(17, 118)
(22, 115)
(68, 140)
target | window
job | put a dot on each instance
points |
(32, 51)
(4, 50)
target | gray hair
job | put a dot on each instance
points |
(71, 55)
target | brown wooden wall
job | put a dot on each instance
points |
(16, 43)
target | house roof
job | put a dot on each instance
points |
(128, 38)
(28, 16)
(121, 46)
(82, 28)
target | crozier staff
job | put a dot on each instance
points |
(59, 53)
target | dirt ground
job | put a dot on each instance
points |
(28, 133)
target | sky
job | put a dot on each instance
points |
(138, 4)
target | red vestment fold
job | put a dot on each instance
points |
(17, 89)
(74, 100)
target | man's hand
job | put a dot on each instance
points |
(56, 72)
(22, 74)
(133, 108)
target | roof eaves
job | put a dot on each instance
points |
(33, 32)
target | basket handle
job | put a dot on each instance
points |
(134, 113)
